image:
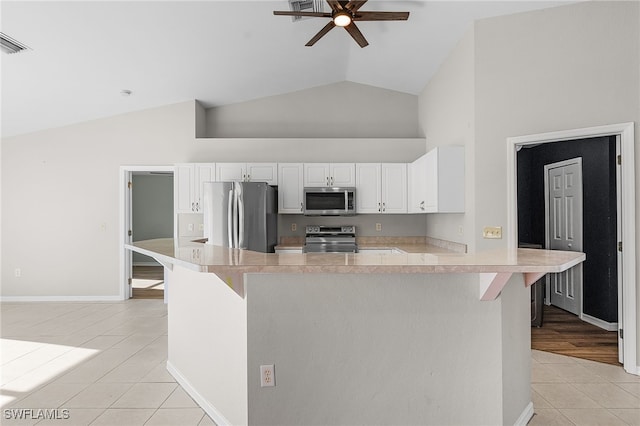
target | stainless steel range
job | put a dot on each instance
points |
(330, 239)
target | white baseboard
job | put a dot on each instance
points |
(211, 411)
(609, 326)
(526, 415)
(61, 298)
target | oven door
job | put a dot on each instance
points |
(329, 201)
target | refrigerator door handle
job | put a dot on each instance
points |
(230, 218)
(240, 219)
(235, 216)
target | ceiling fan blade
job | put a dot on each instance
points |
(310, 14)
(356, 34)
(335, 4)
(321, 33)
(381, 16)
(354, 5)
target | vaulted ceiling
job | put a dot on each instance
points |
(84, 53)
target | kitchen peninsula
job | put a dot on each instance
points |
(411, 338)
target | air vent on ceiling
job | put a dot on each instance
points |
(9, 45)
(305, 6)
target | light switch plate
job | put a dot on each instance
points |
(492, 232)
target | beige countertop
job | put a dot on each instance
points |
(419, 258)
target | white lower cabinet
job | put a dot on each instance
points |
(187, 185)
(436, 181)
(381, 188)
(290, 188)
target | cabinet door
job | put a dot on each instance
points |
(432, 183)
(231, 172)
(290, 186)
(368, 181)
(316, 174)
(394, 188)
(262, 172)
(205, 172)
(184, 188)
(418, 185)
(342, 174)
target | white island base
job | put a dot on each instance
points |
(407, 348)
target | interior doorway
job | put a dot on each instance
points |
(625, 229)
(144, 214)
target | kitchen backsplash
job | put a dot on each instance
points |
(399, 225)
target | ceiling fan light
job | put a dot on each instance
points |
(342, 19)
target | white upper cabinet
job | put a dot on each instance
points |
(368, 188)
(394, 188)
(381, 188)
(247, 172)
(436, 181)
(329, 174)
(262, 172)
(187, 186)
(290, 188)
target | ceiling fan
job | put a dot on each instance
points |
(345, 14)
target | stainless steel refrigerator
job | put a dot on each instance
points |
(241, 215)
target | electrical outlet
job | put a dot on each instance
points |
(460, 230)
(378, 227)
(201, 227)
(294, 227)
(17, 273)
(267, 376)
(492, 232)
(190, 227)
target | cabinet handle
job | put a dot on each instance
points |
(301, 207)
(193, 207)
(422, 205)
(379, 208)
(384, 207)
(198, 207)
(327, 180)
(331, 180)
(248, 178)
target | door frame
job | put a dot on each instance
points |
(547, 241)
(126, 174)
(626, 208)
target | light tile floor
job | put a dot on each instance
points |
(105, 364)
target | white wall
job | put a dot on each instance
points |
(60, 195)
(563, 68)
(455, 359)
(554, 69)
(446, 113)
(337, 110)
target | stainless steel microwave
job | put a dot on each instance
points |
(328, 201)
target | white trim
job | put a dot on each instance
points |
(125, 218)
(526, 415)
(61, 298)
(146, 264)
(627, 147)
(608, 326)
(211, 411)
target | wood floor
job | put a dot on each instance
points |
(148, 282)
(564, 333)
